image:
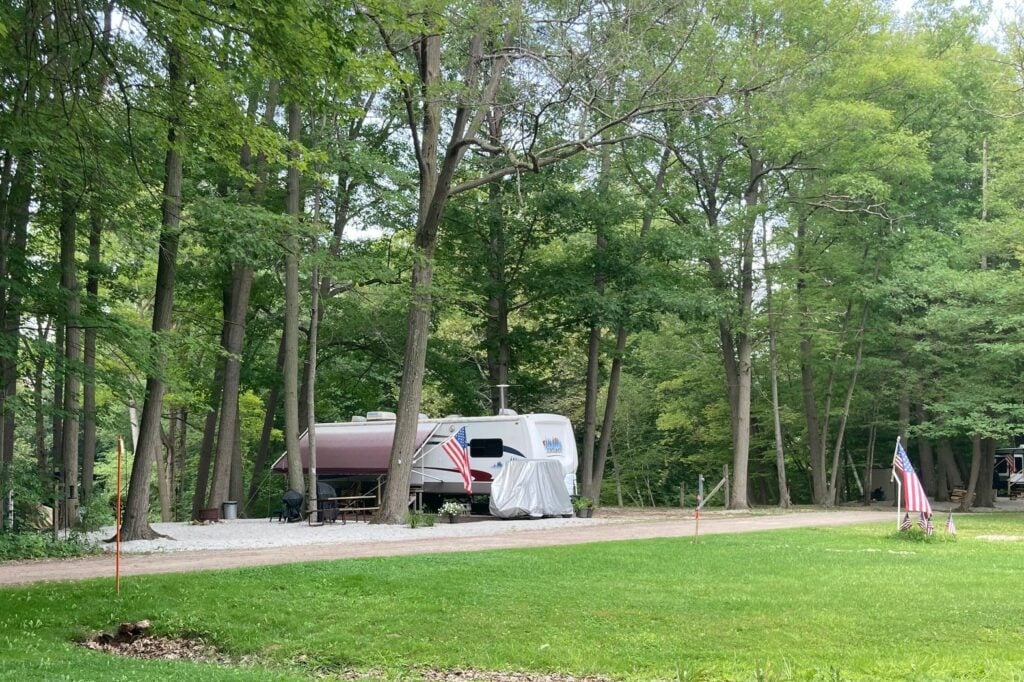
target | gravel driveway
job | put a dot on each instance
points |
(252, 543)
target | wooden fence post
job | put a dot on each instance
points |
(728, 497)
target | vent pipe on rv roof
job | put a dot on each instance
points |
(501, 397)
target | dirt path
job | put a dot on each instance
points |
(625, 527)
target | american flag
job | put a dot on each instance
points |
(457, 449)
(913, 493)
(905, 525)
(925, 522)
(1011, 464)
(950, 526)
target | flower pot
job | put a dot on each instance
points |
(585, 513)
(453, 518)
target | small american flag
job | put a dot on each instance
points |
(1011, 464)
(950, 526)
(457, 449)
(905, 525)
(913, 493)
(925, 522)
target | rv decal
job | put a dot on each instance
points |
(552, 445)
(512, 451)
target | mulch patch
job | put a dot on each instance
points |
(472, 675)
(133, 640)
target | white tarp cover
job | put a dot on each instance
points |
(530, 487)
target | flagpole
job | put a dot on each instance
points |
(899, 483)
(117, 550)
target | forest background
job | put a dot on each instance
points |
(771, 234)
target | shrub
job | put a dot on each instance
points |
(32, 545)
(423, 518)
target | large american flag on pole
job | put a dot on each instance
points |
(913, 493)
(457, 449)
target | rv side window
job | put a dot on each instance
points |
(485, 447)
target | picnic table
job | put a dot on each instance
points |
(328, 509)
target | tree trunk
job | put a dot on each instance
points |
(163, 481)
(972, 485)
(237, 482)
(594, 344)
(435, 189)
(608, 422)
(38, 385)
(14, 262)
(830, 384)
(590, 410)
(291, 310)
(241, 285)
(314, 318)
(92, 287)
(135, 525)
(395, 506)
(496, 326)
(773, 368)
(836, 463)
(904, 424)
(927, 457)
(206, 446)
(870, 464)
(941, 484)
(57, 403)
(263, 451)
(180, 457)
(986, 494)
(72, 356)
(819, 487)
(173, 423)
(949, 466)
(744, 345)
(611, 400)
(741, 446)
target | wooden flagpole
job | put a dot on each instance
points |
(700, 504)
(117, 536)
(899, 482)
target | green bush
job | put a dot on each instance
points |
(421, 519)
(32, 545)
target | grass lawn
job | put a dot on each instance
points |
(822, 604)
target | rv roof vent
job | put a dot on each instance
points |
(452, 416)
(507, 412)
(378, 415)
(358, 418)
(423, 417)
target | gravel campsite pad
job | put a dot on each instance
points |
(260, 533)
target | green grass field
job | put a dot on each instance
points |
(831, 604)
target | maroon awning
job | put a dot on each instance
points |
(352, 449)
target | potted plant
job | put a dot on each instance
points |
(451, 509)
(584, 506)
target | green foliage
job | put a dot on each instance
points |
(422, 519)
(41, 545)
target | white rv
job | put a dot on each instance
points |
(359, 450)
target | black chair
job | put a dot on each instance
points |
(327, 508)
(292, 509)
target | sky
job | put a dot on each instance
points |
(1001, 10)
